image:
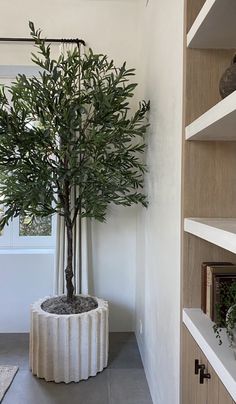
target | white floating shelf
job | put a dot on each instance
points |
(221, 357)
(221, 232)
(214, 26)
(219, 123)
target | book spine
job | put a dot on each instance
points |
(203, 288)
(208, 291)
(216, 296)
(204, 279)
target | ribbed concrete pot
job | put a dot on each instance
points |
(68, 348)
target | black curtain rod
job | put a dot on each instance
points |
(53, 40)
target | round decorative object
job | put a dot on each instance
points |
(68, 348)
(231, 327)
(228, 80)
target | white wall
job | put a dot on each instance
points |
(109, 27)
(113, 266)
(24, 278)
(158, 247)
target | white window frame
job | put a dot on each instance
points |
(33, 241)
(11, 238)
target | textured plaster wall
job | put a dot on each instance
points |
(158, 229)
(24, 278)
(110, 27)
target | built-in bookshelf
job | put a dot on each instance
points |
(209, 169)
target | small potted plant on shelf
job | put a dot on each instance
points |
(226, 313)
(70, 146)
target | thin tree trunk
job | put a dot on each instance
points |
(80, 253)
(69, 268)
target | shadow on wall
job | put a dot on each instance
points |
(121, 316)
(112, 263)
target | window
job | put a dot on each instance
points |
(22, 232)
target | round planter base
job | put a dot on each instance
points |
(68, 348)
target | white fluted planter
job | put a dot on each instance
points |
(68, 348)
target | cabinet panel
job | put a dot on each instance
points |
(212, 391)
(190, 380)
(224, 397)
(212, 386)
(202, 388)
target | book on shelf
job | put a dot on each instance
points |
(221, 283)
(212, 271)
(204, 280)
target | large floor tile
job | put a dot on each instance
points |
(128, 387)
(14, 350)
(123, 382)
(27, 389)
(124, 352)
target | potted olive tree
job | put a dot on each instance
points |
(70, 129)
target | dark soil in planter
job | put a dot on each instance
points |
(60, 305)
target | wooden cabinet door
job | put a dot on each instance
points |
(202, 389)
(212, 391)
(190, 380)
(212, 386)
(224, 397)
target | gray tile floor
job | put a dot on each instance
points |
(123, 382)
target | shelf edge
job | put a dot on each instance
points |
(210, 233)
(211, 117)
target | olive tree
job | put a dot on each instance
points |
(70, 130)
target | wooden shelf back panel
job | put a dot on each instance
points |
(204, 69)
(209, 179)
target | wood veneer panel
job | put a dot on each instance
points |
(186, 393)
(210, 179)
(204, 69)
(224, 397)
(212, 386)
(202, 388)
(191, 351)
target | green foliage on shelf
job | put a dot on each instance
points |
(226, 310)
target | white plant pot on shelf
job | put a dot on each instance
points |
(68, 348)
